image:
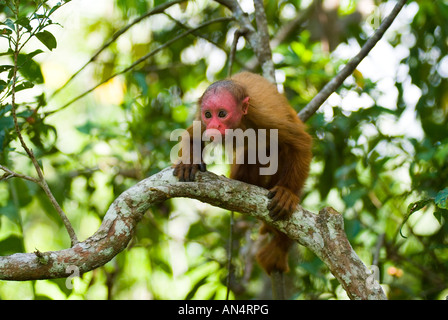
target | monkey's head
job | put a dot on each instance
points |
(223, 106)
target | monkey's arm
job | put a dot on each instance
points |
(190, 161)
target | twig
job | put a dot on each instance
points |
(11, 174)
(230, 253)
(379, 245)
(278, 285)
(159, 9)
(334, 83)
(41, 181)
(145, 57)
(236, 37)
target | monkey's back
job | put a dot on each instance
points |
(267, 107)
(265, 100)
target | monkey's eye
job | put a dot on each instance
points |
(222, 114)
(208, 114)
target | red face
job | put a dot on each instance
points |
(220, 111)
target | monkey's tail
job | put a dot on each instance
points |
(273, 257)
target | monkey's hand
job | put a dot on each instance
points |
(187, 172)
(283, 203)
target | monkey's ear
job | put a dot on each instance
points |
(245, 105)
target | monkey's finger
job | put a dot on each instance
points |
(272, 204)
(271, 194)
(292, 205)
(202, 167)
(186, 173)
(276, 213)
(273, 208)
(193, 171)
(180, 175)
(286, 205)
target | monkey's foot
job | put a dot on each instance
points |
(283, 203)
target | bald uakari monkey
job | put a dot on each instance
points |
(249, 101)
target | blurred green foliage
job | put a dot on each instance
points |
(390, 185)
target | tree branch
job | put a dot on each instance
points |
(323, 233)
(295, 25)
(11, 174)
(336, 82)
(238, 33)
(259, 41)
(264, 47)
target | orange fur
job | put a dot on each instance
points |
(268, 109)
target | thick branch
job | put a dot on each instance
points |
(293, 26)
(323, 233)
(264, 49)
(258, 40)
(336, 82)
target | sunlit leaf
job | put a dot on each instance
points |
(47, 39)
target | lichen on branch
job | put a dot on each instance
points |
(322, 233)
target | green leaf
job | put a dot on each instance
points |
(196, 287)
(2, 140)
(5, 109)
(47, 39)
(24, 22)
(10, 245)
(441, 199)
(5, 67)
(6, 123)
(3, 85)
(23, 192)
(412, 208)
(29, 68)
(439, 213)
(5, 32)
(354, 195)
(33, 54)
(10, 211)
(10, 24)
(56, 7)
(25, 114)
(24, 85)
